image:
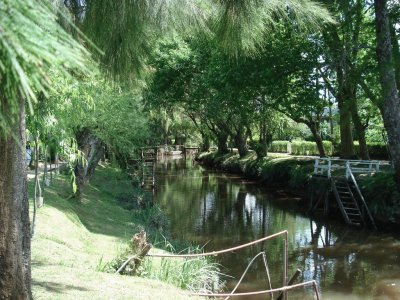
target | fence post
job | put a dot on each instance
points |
(329, 168)
(316, 166)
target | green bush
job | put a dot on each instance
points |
(376, 150)
(310, 148)
(280, 146)
(381, 194)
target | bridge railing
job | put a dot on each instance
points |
(326, 166)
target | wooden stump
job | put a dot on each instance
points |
(139, 249)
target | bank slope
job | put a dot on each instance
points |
(73, 239)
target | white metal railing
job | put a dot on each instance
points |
(325, 166)
(364, 206)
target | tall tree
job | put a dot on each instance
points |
(390, 92)
(30, 43)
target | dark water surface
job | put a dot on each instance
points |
(220, 211)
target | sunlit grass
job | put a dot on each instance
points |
(72, 239)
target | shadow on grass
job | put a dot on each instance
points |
(54, 287)
(98, 211)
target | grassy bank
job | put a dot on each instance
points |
(275, 170)
(294, 173)
(73, 242)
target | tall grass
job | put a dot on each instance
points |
(194, 274)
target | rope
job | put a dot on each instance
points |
(215, 253)
(245, 272)
(285, 288)
(125, 263)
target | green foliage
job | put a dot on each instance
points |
(111, 113)
(196, 274)
(310, 148)
(242, 25)
(31, 43)
(126, 31)
(300, 147)
(152, 220)
(376, 150)
(273, 170)
(382, 195)
(280, 146)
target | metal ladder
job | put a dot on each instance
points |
(347, 203)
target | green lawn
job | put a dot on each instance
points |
(72, 239)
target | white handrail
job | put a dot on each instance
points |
(353, 179)
(324, 166)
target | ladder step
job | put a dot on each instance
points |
(353, 214)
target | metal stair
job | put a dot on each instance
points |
(347, 202)
(148, 173)
(149, 156)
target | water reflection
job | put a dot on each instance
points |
(220, 211)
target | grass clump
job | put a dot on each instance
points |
(195, 274)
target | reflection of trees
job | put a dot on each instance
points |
(207, 206)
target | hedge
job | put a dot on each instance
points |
(300, 147)
(280, 147)
(375, 149)
(310, 148)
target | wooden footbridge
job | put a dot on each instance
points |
(339, 177)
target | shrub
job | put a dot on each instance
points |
(377, 150)
(310, 148)
(280, 147)
(381, 193)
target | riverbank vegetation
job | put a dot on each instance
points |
(81, 81)
(78, 246)
(294, 173)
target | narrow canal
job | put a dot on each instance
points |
(219, 211)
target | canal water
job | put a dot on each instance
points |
(219, 211)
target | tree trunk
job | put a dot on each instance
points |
(92, 149)
(314, 127)
(262, 147)
(240, 139)
(396, 52)
(205, 142)
(15, 239)
(346, 135)
(222, 139)
(391, 104)
(360, 131)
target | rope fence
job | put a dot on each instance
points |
(283, 289)
(215, 253)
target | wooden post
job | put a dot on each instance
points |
(326, 202)
(291, 281)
